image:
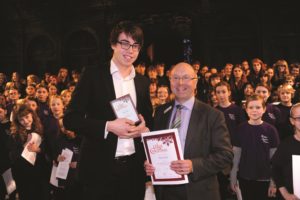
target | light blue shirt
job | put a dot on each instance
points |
(186, 112)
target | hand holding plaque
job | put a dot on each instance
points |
(123, 107)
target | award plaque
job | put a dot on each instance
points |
(123, 107)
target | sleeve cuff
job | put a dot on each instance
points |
(105, 131)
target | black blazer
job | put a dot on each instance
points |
(87, 114)
(207, 145)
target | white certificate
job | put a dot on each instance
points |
(63, 167)
(31, 156)
(296, 174)
(124, 108)
(53, 179)
(9, 181)
(163, 147)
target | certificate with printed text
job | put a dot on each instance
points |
(296, 174)
(123, 107)
(163, 147)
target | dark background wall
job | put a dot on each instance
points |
(38, 36)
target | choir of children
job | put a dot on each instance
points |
(245, 95)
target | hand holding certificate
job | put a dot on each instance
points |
(163, 148)
(27, 153)
(63, 166)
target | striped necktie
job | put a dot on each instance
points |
(177, 119)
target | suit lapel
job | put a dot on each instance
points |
(138, 89)
(167, 115)
(110, 91)
(196, 118)
(162, 117)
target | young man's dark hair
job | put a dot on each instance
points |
(111, 155)
(130, 29)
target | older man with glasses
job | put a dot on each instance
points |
(204, 139)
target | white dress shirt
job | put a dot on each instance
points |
(122, 87)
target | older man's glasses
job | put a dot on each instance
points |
(126, 45)
(184, 79)
(296, 118)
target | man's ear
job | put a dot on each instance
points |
(292, 121)
(113, 46)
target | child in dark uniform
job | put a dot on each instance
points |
(234, 115)
(272, 114)
(42, 95)
(254, 146)
(69, 189)
(282, 171)
(286, 93)
(4, 135)
(29, 177)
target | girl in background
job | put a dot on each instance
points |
(286, 93)
(52, 89)
(234, 115)
(57, 106)
(256, 71)
(163, 94)
(69, 189)
(162, 97)
(212, 99)
(66, 96)
(29, 178)
(153, 93)
(281, 70)
(42, 99)
(30, 90)
(237, 83)
(248, 91)
(272, 114)
(265, 79)
(52, 129)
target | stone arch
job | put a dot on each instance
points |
(41, 55)
(81, 48)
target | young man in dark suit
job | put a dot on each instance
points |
(112, 155)
(203, 135)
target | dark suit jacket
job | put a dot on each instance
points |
(87, 114)
(207, 145)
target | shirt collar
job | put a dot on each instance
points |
(114, 69)
(188, 104)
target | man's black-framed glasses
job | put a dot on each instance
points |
(126, 45)
(296, 118)
(184, 79)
